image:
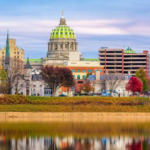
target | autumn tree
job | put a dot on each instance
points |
(56, 77)
(112, 81)
(87, 87)
(134, 85)
(12, 75)
(141, 74)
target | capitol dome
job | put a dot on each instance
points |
(62, 31)
(62, 41)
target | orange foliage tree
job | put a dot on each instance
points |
(87, 87)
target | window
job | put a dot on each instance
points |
(83, 70)
(65, 32)
(61, 33)
(73, 70)
(78, 70)
(17, 52)
(74, 76)
(83, 77)
(100, 70)
(17, 56)
(78, 76)
(95, 70)
(90, 70)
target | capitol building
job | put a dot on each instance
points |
(62, 52)
(62, 45)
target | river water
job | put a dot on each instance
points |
(74, 135)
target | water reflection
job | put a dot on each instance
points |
(73, 143)
(74, 135)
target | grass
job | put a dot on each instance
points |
(18, 103)
(70, 108)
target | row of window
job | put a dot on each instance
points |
(89, 70)
(79, 77)
(14, 52)
(62, 30)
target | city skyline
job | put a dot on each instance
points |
(96, 24)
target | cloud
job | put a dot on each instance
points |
(33, 35)
(92, 27)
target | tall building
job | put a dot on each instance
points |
(121, 61)
(11, 51)
(62, 45)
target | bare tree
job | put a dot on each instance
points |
(112, 82)
(14, 75)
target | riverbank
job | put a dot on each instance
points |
(73, 117)
(18, 103)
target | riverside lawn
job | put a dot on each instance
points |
(19, 103)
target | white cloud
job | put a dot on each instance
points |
(91, 27)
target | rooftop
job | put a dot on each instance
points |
(34, 60)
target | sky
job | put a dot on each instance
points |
(97, 23)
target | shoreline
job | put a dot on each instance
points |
(75, 116)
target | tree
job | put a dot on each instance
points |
(56, 77)
(141, 74)
(112, 82)
(13, 75)
(134, 85)
(87, 87)
(3, 81)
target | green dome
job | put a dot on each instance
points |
(129, 50)
(62, 32)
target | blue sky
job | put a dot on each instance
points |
(97, 23)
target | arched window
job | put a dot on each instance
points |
(78, 70)
(83, 70)
(83, 77)
(78, 76)
(73, 70)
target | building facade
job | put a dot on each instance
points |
(97, 82)
(121, 61)
(12, 51)
(80, 69)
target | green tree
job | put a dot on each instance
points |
(3, 81)
(141, 74)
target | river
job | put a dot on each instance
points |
(70, 135)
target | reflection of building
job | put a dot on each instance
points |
(11, 50)
(72, 143)
(123, 62)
